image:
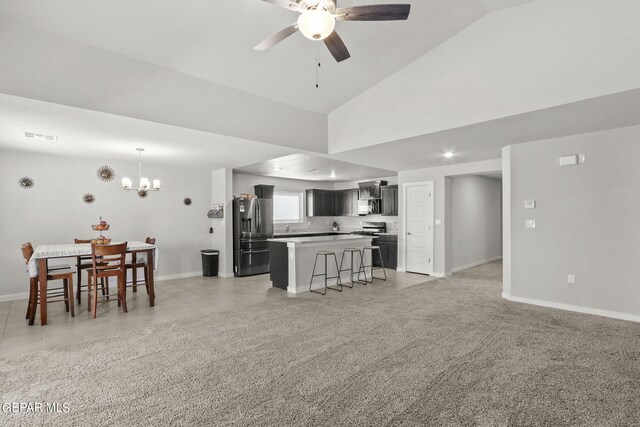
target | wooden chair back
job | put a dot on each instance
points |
(79, 241)
(108, 259)
(150, 240)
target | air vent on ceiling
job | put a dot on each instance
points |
(40, 136)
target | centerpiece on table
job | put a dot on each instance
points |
(102, 226)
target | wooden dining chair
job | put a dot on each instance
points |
(107, 261)
(53, 294)
(84, 262)
(135, 264)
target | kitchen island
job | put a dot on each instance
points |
(292, 260)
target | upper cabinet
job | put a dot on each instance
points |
(332, 203)
(371, 189)
(320, 203)
(349, 203)
(390, 200)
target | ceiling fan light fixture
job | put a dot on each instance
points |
(316, 24)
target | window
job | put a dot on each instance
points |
(287, 206)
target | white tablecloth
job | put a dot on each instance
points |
(83, 249)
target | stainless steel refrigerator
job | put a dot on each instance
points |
(252, 226)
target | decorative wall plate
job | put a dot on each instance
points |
(26, 182)
(88, 198)
(105, 173)
(143, 193)
(187, 201)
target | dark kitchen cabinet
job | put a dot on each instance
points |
(338, 202)
(320, 203)
(349, 203)
(390, 200)
(388, 251)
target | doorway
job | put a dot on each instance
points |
(418, 220)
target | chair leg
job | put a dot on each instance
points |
(103, 290)
(313, 272)
(122, 292)
(382, 264)
(79, 278)
(146, 278)
(94, 297)
(65, 286)
(361, 268)
(134, 275)
(33, 300)
(335, 258)
(340, 269)
(70, 297)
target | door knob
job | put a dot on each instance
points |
(408, 234)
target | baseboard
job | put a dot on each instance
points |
(477, 263)
(438, 275)
(401, 270)
(575, 308)
(177, 276)
(14, 297)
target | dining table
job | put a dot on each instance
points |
(38, 265)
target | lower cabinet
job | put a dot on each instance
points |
(388, 252)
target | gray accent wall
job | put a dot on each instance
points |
(476, 220)
(53, 211)
(586, 223)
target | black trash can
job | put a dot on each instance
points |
(210, 262)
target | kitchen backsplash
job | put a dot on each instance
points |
(345, 223)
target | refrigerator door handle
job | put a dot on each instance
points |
(259, 219)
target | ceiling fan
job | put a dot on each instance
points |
(318, 18)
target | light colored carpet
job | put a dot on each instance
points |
(447, 352)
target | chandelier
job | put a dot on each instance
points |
(144, 186)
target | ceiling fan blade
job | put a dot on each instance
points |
(292, 5)
(375, 12)
(277, 37)
(337, 47)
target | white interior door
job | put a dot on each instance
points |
(419, 228)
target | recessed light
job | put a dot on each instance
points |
(277, 168)
(448, 154)
(333, 175)
(314, 170)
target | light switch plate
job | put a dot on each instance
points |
(438, 222)
(582, 158)
(569, 160)
(529, 204)
(530, 223)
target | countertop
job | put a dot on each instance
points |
(305, 233)
(319, 239)
(387, 234)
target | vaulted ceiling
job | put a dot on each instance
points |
(184, 76)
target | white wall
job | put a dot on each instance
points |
(476, 220)
(442, 206)
(586, 223)
(244, 183)
(53, 211)
(100, 80)
(222, 237)
(521, 59)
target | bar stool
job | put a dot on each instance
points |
(361, 269)
(325, 254)
(371, 249)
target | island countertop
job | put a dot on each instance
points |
(319, 239)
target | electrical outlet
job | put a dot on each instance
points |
(571, 279)
(530, 223)
(530, 204)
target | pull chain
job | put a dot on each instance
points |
(317, 67)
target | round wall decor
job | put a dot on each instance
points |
(187, 201)
(26, 182)
(88, 198)
(105, 173)
(142, 193)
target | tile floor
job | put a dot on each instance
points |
(175, 299)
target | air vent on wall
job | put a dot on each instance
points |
(40, 136)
